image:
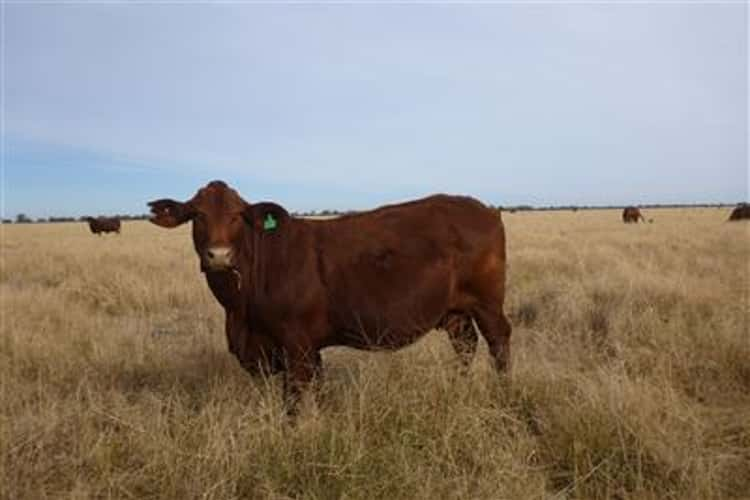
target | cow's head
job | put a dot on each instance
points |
(218, 214)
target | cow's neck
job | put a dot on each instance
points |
(271, 260)
(224, 286)
(257, 250)
(233, 289)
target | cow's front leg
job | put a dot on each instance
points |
(256, 353)
(303, 365)
(234, 330)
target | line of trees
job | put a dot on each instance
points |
(522, 208)
(323, 213)
(24, 219)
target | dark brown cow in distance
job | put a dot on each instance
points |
(631, 214)
(740, 212)
(101, 225)
(373, 280)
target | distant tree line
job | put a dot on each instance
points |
(574, 208)
(24, 219)
(324, 213)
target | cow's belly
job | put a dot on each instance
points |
(395, 320)
(379, 340)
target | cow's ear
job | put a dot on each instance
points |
(266, 216)
(170, 213)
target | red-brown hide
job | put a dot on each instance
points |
(100, 225)
(740, 212)
(631, 214)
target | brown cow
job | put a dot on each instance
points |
(101, 225)
(373, 280)
(740, 212)
(632, 214)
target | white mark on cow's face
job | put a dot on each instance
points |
(218, 258)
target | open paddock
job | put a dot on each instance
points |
(630, 376)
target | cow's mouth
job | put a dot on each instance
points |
(218, 270)
(230, 270)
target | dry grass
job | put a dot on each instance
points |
(631, 376)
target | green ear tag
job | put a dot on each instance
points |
(269, 223)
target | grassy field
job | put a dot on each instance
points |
(631, 376)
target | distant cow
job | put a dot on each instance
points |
(101, 225)
(373, 280)
(631, 214)
(740, 212)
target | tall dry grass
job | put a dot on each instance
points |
(631, 376)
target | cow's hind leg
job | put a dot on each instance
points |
(463, 337)
(496, 330)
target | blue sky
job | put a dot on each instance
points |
(353, 105)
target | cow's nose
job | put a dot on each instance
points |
(217, 258)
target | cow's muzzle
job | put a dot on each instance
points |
(217, 259)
